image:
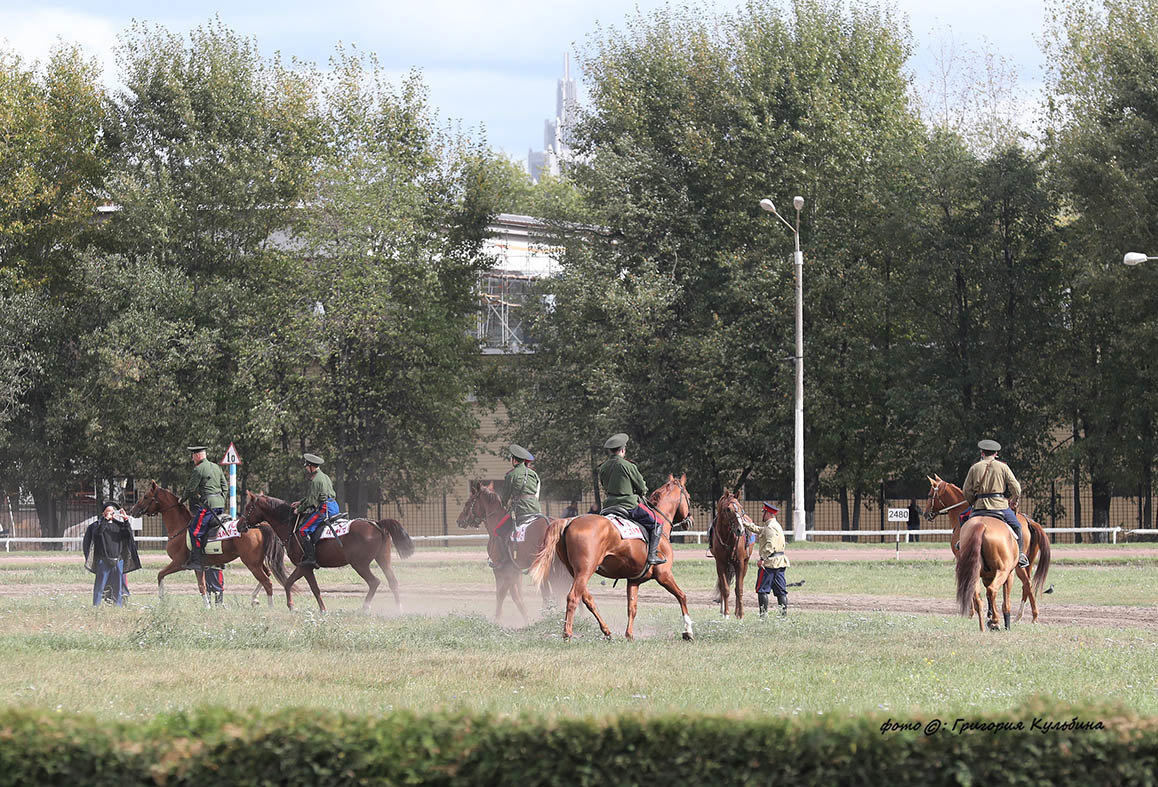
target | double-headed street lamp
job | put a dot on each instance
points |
(798, 480)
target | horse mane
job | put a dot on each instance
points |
(280, 508)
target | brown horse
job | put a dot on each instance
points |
(367, 541)
(988, 555)
(591, 544)
(947, 498)
(257, 547)
(484, 505)
(731, 549)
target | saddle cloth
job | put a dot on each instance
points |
(627, 528)
(226, 531)
(339, 526)
(519, 534)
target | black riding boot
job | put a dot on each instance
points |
(783, 602)
(653, 539)
(763, 597)
(196, 559)
(310, 550)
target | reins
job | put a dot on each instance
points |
(931, 515)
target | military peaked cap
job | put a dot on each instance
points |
(771, 509)
(196, 448)
(518, 452)
(312, 459)
(616, 441)
(989, 445)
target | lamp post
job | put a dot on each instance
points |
(1135, 258)
(798, 523)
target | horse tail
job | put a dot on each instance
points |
(1040, 536)
(541, 566)
(274, 553)
(398, 534)
(969, 567)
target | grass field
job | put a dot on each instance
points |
(155, 656)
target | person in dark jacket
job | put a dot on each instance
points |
(110, 552)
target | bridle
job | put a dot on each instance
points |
(146, 512)
(684, 496)
(473, 519)
(930, 514)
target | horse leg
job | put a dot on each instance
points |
(632, 607)
(517, 595)
(201, 589)
(739, 591)
(372, 581)
(383, 560)
(313, 583)
(502, 587)
(294, 576)
(1006, 606)
(667, 580)
(722, 589)
(256, 567)
(172, 568)
(589, 602)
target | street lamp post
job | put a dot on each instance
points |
(798, 523)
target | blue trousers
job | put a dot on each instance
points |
(200, 523)
(311, 520)
(771, 580)
(1011, 517)
(108, 572)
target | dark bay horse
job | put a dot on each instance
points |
(485, 506)
(367, 541)
(591, 544)
(258, 548)
(731, 549)
(947, 498)
(988, 555)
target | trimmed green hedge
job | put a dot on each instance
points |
(215, 747)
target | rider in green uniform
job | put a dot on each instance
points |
(520, 494)
(318, 505)
(205, 493)
(625, 489)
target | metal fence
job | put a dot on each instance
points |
(437, 517)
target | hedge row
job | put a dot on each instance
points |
(214, 747)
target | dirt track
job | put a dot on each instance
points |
(479, 598)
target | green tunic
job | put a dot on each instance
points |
(991, 477)
(207, 486)
(521, 491)
(320, 489)
(622, 483)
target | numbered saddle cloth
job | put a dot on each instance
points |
(225, 531)
(338, 527)
(627, 528)
(519, 534)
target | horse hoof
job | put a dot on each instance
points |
(688, 636)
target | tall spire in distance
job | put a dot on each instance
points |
(557, 133)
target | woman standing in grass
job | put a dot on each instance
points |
(110, 552)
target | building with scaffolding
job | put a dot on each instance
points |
(521, 253)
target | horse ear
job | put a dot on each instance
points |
(153, 485)
(683, 478)
(937, 477)
(931, 481)
(670, 478)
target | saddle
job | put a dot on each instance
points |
(628, 528)
(220, 530)
(519, 531)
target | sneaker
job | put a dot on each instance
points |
(709, 554)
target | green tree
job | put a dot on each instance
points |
(52, 167)
(693, 120)
(1102, 139)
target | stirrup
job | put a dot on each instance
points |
(1023, 560)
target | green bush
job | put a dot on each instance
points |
(216, 747)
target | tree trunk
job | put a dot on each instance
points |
(1101, 495)
(842, 496)
(49, 509)
(1077, 520)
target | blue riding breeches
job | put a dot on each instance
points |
(314, 518)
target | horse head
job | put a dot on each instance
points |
(729, 504)
(943, 497)
(681, 513)
(155, 500)
(483, 501)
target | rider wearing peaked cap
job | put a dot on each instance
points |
(318, 505)
(624, 487)
(991, 486)
(520, 495)
(205, 493)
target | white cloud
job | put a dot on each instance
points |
(33, 32)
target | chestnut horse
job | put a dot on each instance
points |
(257, 547)
(731, 549)
(947, 498)
(590, 544)
(367, 541)
(988, 553)
(484, 505)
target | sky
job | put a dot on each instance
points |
(488, 64)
